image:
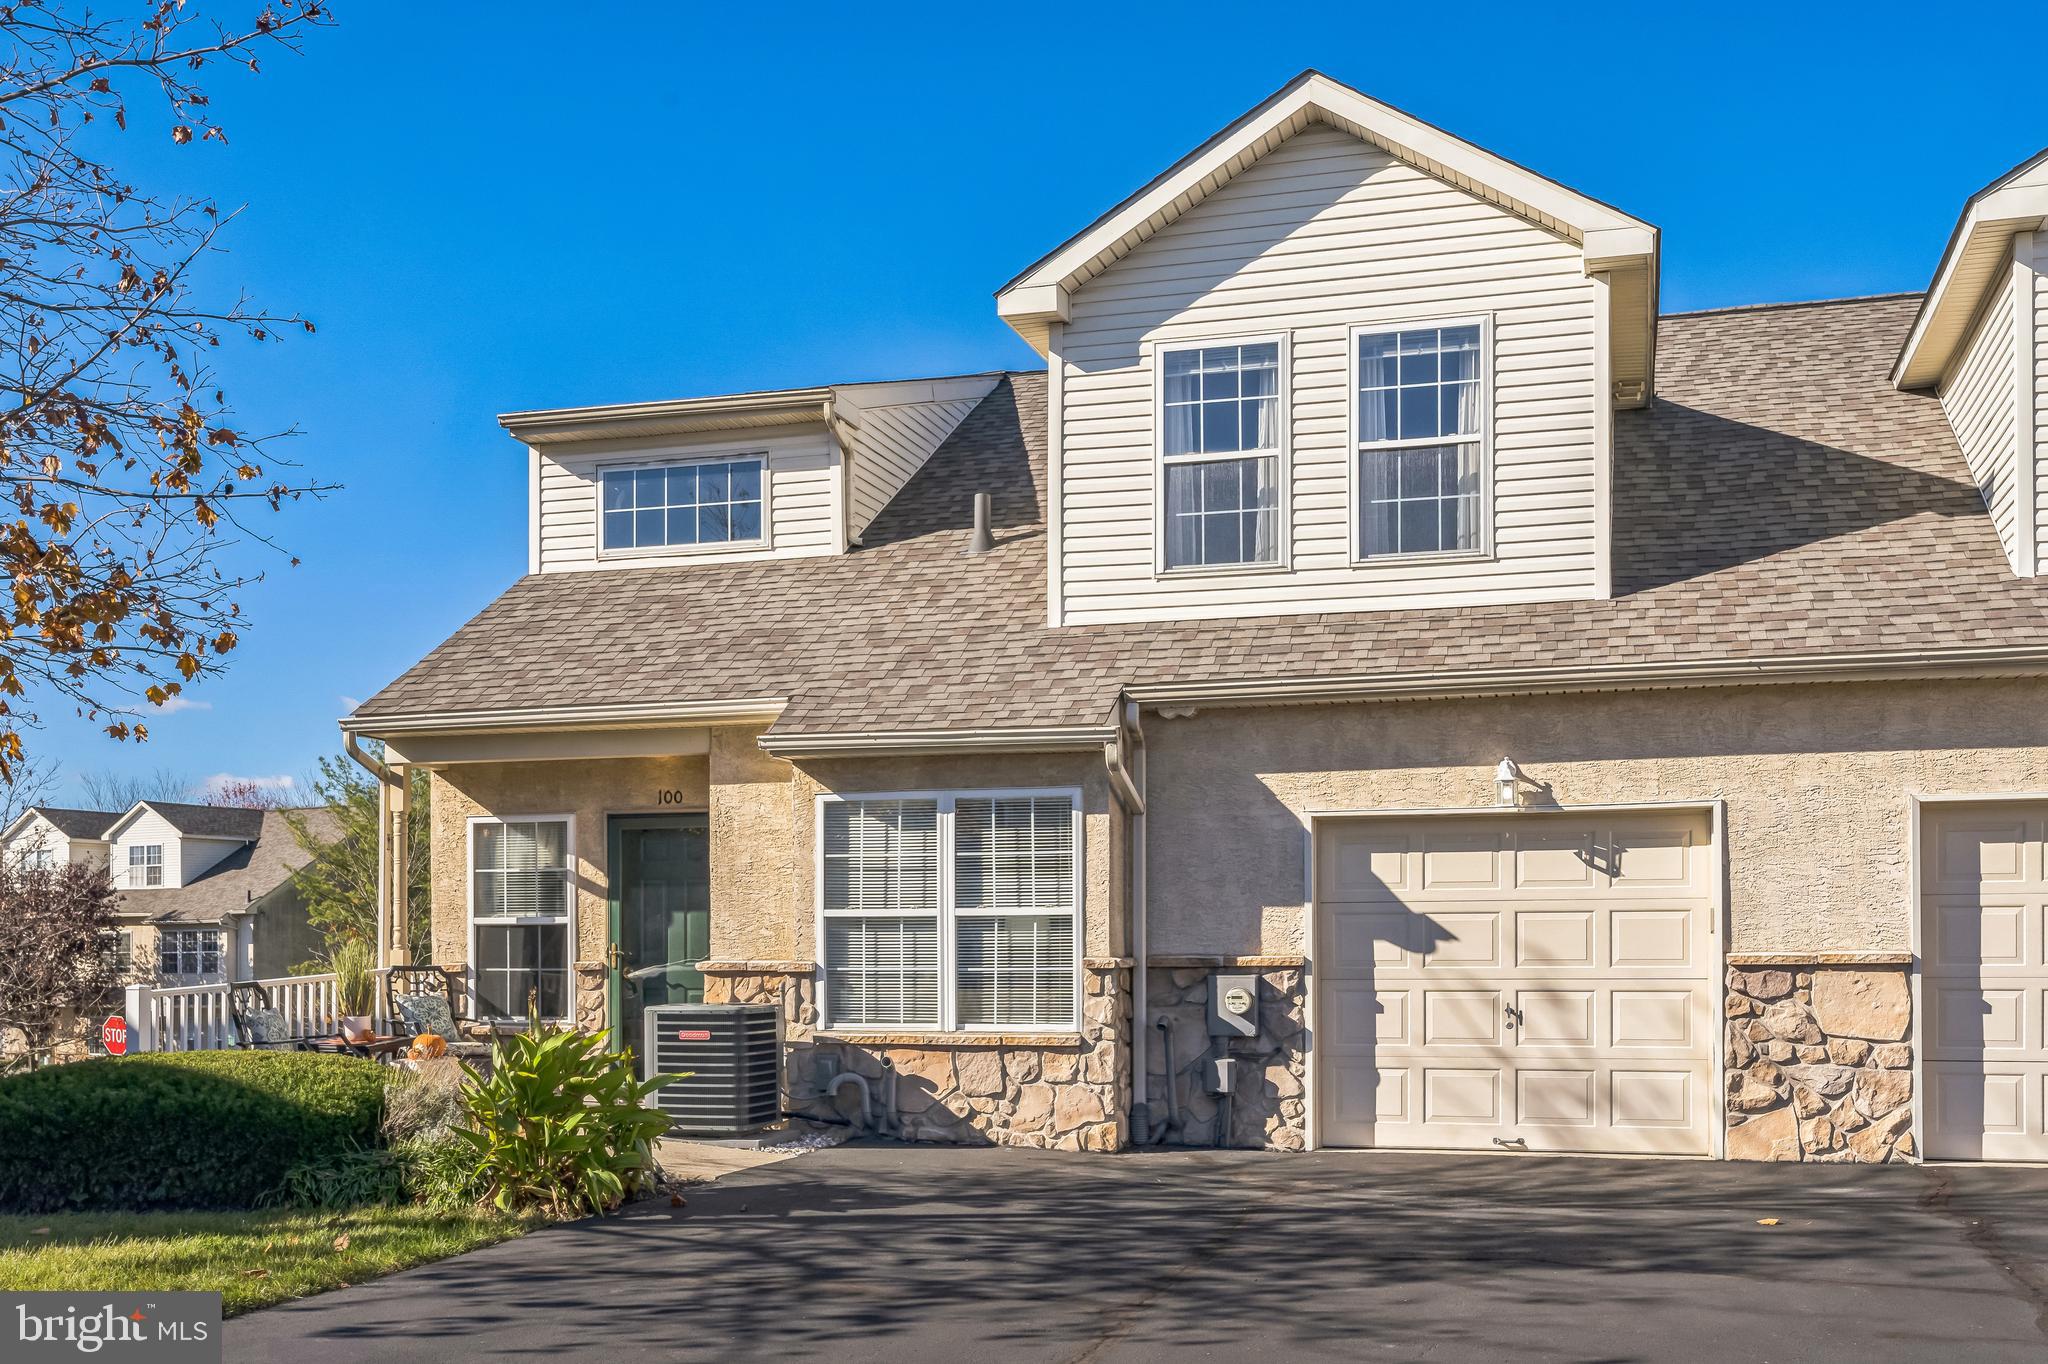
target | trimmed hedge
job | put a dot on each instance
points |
(208, 1129)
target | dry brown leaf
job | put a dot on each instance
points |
(39, 1231)
(341, 1241)
(1767, 1221)
(255, 1273)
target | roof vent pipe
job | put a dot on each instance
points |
(983, 540)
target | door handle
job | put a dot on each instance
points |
(614, 957)
(1512, 1014)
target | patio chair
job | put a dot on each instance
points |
(259, 1026)
(422, 999)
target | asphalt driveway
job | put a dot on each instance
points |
(883, 1252)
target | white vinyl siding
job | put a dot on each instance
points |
(2037, 272)
(950, 911)
(1982, 407)
(897, 427)
(800, 514)
(1325, 234)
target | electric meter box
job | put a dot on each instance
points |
(1234, 1004)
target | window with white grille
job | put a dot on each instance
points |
(145, 864)
(190, 951)
(951, 911)
(519, 916)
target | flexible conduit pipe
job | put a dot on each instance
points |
(859, 1082)
(1170, 1124)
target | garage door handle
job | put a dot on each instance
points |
(1514, 1015)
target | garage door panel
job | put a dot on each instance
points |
(1554, 938)
(1461, 1018)
(1554, 861)
(1461, 939)
(1984, 984)
(1461, 1095)
(1657, 1020)
(1971, 935)
(1457, 860)
(1652, 939)
(1557, 996)
(1361, 863)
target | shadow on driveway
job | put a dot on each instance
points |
(876, 1251)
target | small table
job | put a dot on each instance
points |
(373, 1047)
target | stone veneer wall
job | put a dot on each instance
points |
(1819, 1062)
(1268, 1108)
(1005, 1089)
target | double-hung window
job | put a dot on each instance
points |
(1421, 439)
(520, 888)
(706, 502)
(951, 911)
(145, 864)
(190, 951)
(1220, 447)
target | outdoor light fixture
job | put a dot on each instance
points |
(1507, 782)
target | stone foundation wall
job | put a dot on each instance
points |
(1009, 1089)
(1819, 1062)
(1268, 1108)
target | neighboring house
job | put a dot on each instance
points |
(1539, 723)
(206, 890)
(48, 836)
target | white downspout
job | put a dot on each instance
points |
(1131, 784)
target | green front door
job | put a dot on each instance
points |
(660, 916)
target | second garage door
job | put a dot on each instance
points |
(1535, 982)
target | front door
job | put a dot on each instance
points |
(660, 916)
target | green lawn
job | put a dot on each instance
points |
(253, 1259)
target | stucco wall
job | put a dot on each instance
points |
(1816, 778)
(763, 827)
(588, 790)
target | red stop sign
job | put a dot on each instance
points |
(114, 1035)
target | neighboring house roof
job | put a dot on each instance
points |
(198, 821)
(1780, 508)
(85, 824)
(238, 880)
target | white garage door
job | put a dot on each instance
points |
(1541, 982)
(1984, 981)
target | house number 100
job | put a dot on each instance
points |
(670, 797)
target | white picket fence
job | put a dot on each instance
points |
(197, 1017)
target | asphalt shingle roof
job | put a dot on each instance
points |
(210, 821)
(89, 824)
(1779, 497)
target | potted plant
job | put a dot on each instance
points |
(355, 984)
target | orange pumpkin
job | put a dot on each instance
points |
(427, 1046)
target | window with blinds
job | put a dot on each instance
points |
(951, 911)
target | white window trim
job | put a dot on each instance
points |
(1353, 447)
(948, 966)
(1282, 455)
(165, 952)
(144, 865)
(672, 459)
(568, 919)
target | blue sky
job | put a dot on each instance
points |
(523, 205)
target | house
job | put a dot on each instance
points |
(206, 891)
(49, 836)
(1412, 693)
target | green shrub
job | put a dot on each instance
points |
(353, 1177)
(439, 1172)
(210, 1129)
(560, 1125)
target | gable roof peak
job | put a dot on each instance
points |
(1614, 243)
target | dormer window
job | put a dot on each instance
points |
(702, 503)
(1221, 446)
(1421, 439)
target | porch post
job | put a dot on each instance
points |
(399, 905)
(383, 874)
(139, 1008)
